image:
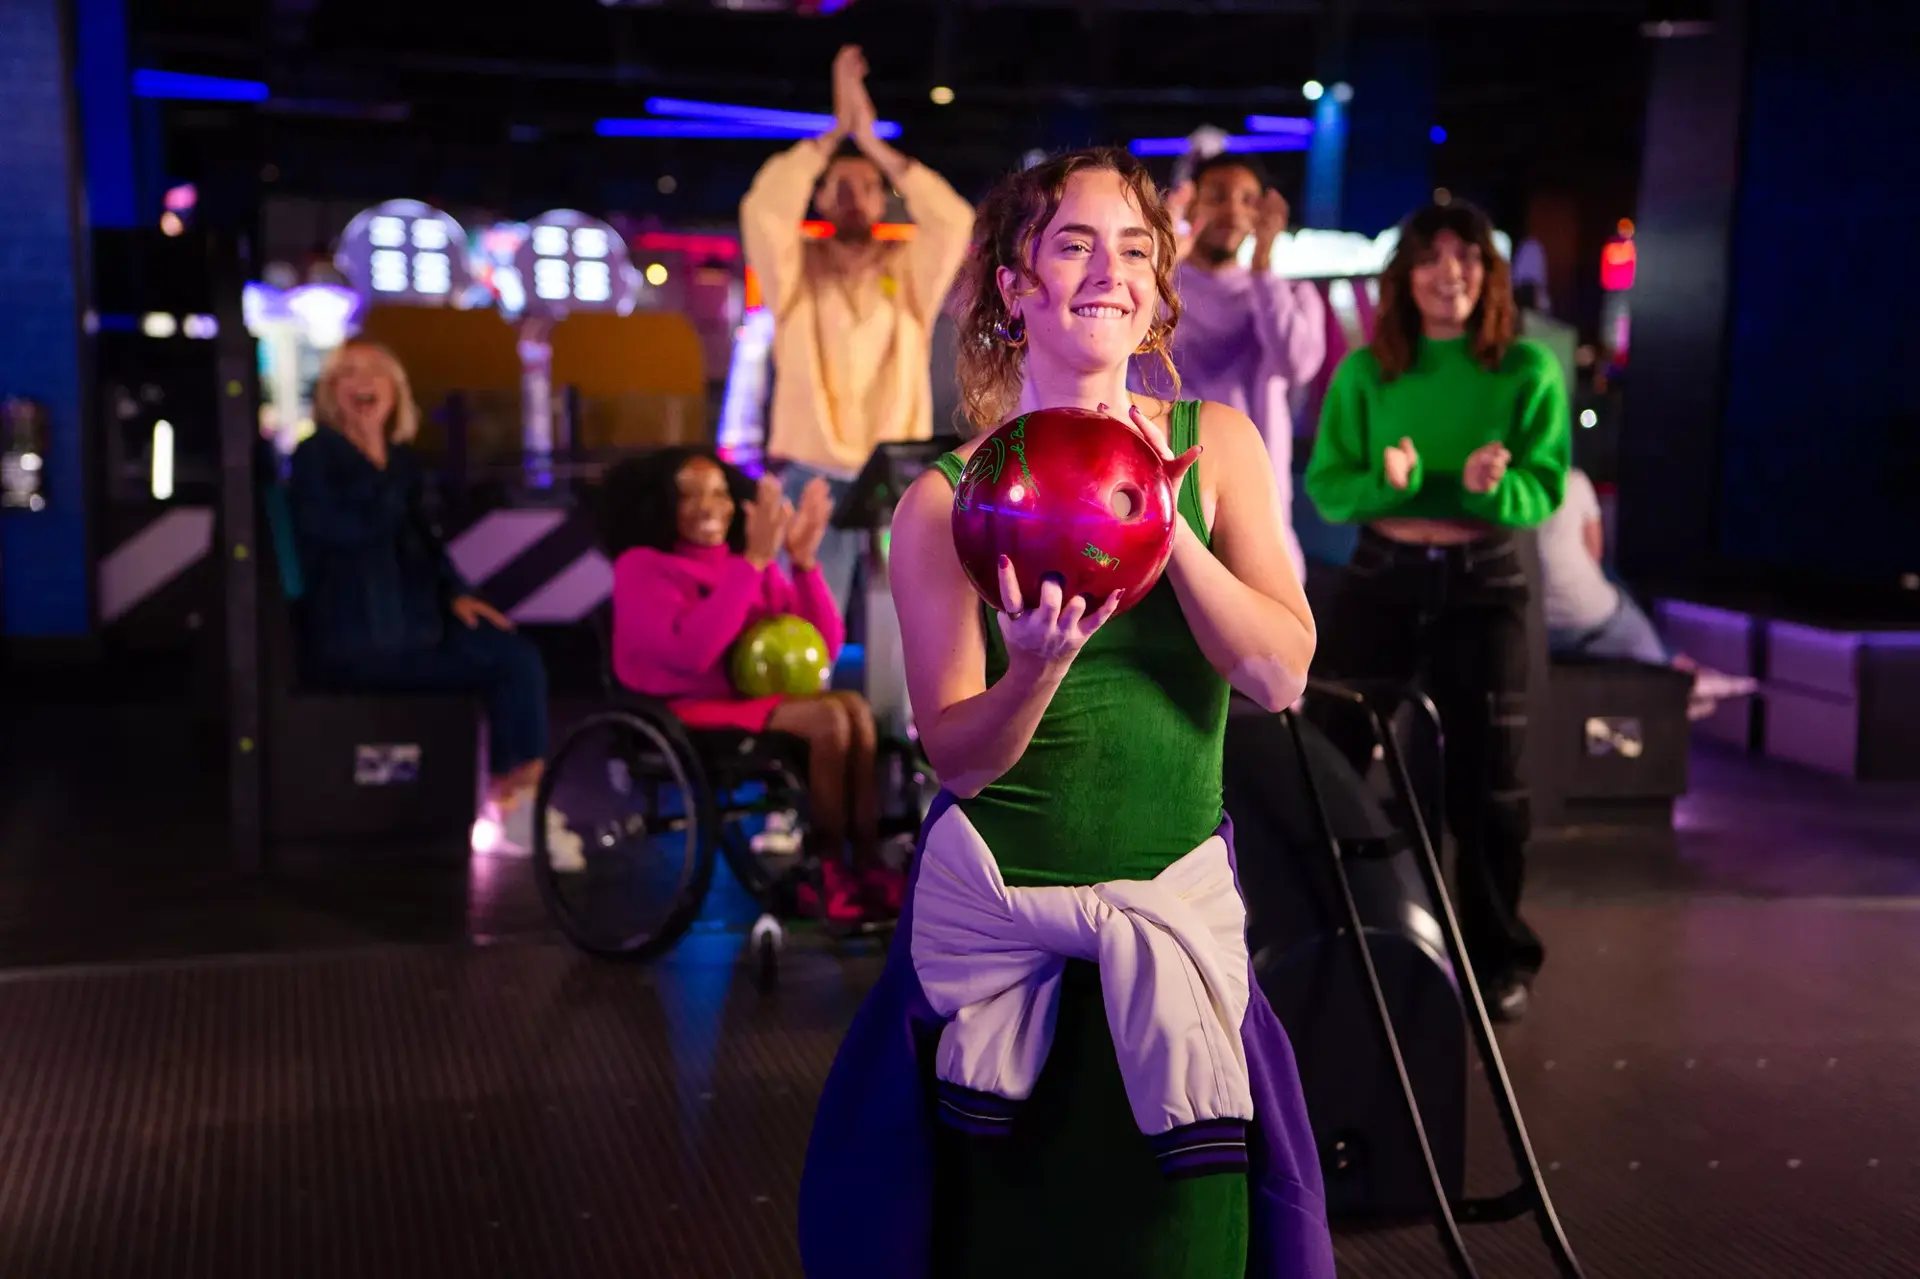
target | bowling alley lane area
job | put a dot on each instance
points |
(394, 1074)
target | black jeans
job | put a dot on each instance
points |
(1453, 619)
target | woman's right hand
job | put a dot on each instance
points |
(1053, 630)
(767, 517)
(1399, 460)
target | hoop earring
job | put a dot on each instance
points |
(1012, 331)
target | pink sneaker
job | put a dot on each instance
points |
(845, 905)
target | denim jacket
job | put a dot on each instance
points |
(378, 579)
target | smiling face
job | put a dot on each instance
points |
(706, 503)
(1226, 200)
(1092, 294)
(852, 196)
(364, 390)
(1445, 283)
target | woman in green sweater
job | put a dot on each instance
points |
(1441, 437)
(1069, 991)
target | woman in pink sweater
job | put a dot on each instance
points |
(694, 545)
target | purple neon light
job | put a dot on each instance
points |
(1237, 143)
(690, 129)
(1300, 124)
(804, 122)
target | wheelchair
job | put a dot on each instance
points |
(655, 805)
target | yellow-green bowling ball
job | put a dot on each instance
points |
(781, 655)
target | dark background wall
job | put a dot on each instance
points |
(44, 574)
(1821, 439)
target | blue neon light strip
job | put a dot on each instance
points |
(1299, 124)
(691, 129)
(1237, 143)
(806, 123)
(196, 88)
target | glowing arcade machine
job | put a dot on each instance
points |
(565, 262)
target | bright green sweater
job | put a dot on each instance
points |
(1448, 405)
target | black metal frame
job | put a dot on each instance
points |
(1530, 1196)
(703, 771)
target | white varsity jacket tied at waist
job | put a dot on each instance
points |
(1172, 953)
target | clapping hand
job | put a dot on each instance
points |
(1485, 467)
(1269, 224)
(852, 106)
(1185, 234)
(1399, 461)
(809, 525)
(768, 515)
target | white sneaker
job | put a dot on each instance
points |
(516, 830)
(566, 851)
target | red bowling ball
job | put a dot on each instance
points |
(1069, 492)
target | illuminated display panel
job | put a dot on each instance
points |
(405, 251)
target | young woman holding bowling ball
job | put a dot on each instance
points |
(1113, 1094)
(1441, 437)
(695, 545)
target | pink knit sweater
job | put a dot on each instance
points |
(675, 615)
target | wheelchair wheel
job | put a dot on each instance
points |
(624, 835)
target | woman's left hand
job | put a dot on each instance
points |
(809, 524)
(472, 610)
(1485, 467)
(1177, 467)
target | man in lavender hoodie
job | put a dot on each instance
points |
(1246, 337)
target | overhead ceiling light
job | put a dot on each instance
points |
(942, 96)
(1312, 90)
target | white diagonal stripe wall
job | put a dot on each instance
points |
(571, 594)
(498, 539)
(153, 557)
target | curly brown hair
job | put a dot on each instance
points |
(1490, 329)
(1014, 214)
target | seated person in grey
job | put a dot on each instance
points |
(1589, 615)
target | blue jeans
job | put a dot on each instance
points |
(841, 549)
(1627, 635)
(503, 667)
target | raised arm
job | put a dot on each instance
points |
(972, 733)
(771, 214)
(812, 599)
(1241, 598)
(943, 222)
(1290, 322)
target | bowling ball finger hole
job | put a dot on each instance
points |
(1127, 502)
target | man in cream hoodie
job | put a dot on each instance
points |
(853, 315)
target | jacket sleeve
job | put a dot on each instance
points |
(337, 511)
(1541, 442)
(1346, 477)
(1290, 320)
(943, 225)
(770, 218)
(661, 623)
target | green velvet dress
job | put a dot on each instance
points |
(1121, 780)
